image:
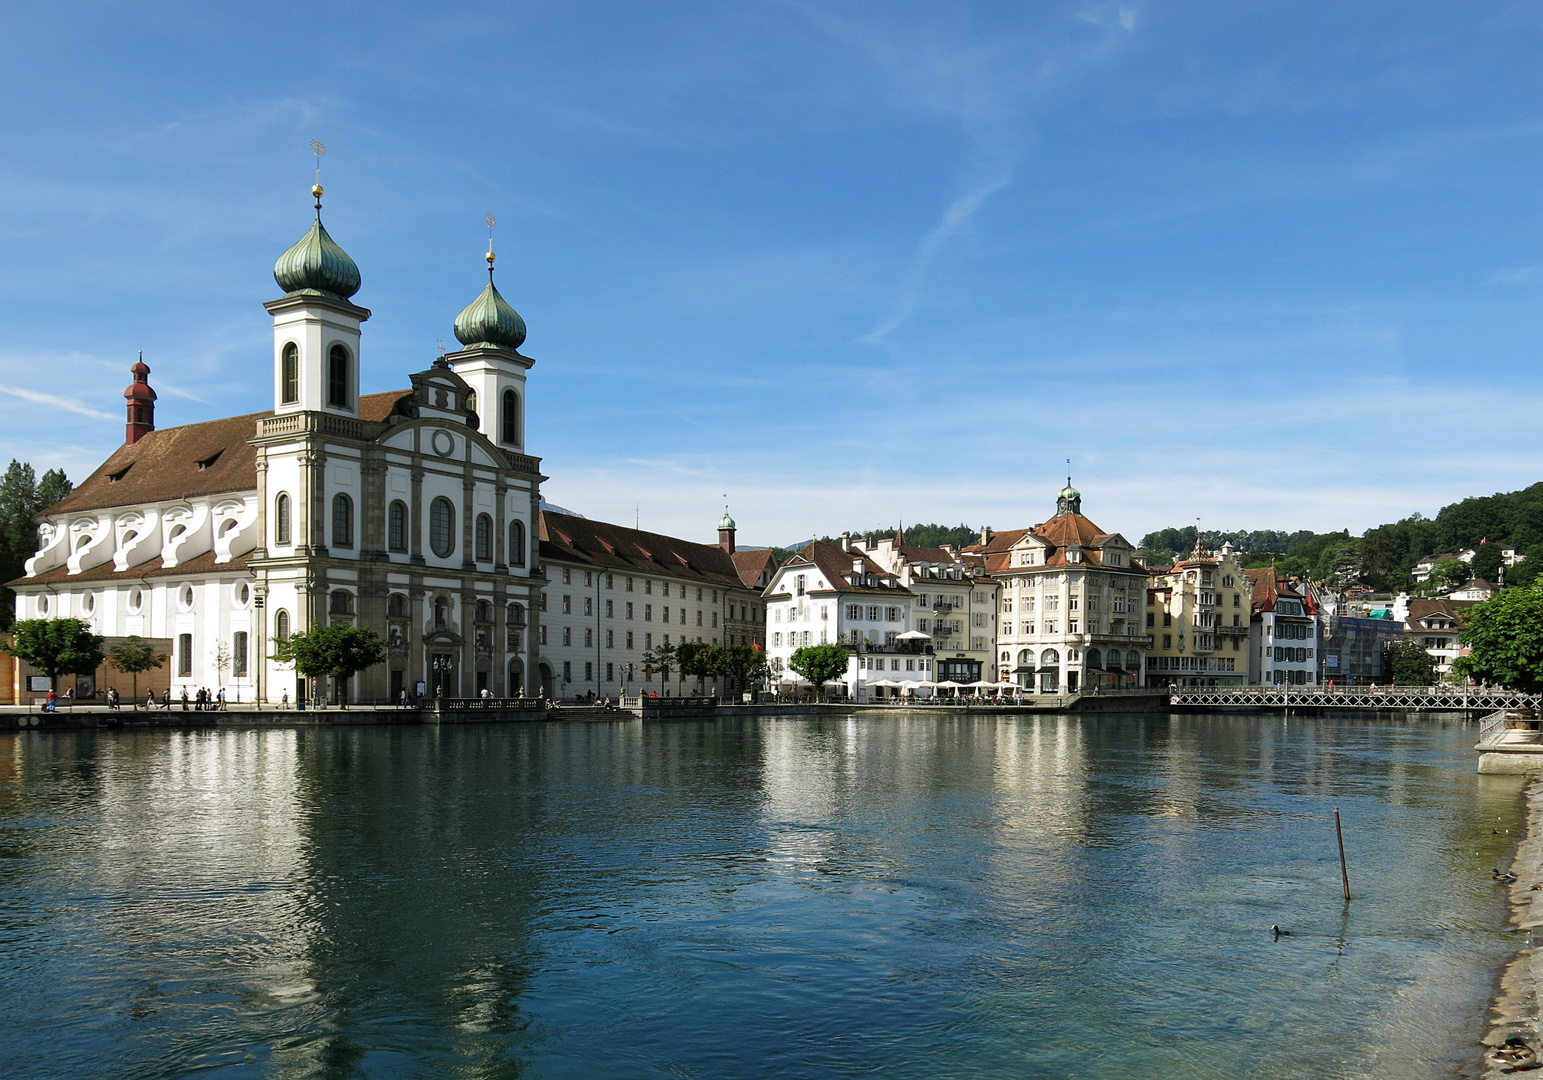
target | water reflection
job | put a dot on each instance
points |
(1036, 895)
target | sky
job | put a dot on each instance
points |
(839, 265)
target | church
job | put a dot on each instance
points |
(414, 512)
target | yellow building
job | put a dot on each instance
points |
(1198, 615)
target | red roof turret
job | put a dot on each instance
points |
(141, 404)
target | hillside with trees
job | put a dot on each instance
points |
(1383, 557)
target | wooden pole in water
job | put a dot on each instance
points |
(1344, 874)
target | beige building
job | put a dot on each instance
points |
(1071, 603)
(954, 602)
(1198, 615)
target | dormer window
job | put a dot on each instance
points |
(113, 478)
(210, 460)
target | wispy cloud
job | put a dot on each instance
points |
(1516, 275)
(37, 397)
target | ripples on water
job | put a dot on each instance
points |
(981, 897)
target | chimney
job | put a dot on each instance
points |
(985, 535)
(141, 404)
(846, 541)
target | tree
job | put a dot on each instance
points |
(1405, 661)
(338, 651)
(134, 655)
(22, 495)
(747, 663)
(1449, 574)
(1340, 567)
(1505, 638)
(56, 647)
(820, 663)
(658, 659)
(1486, 562)
(697, 660)
(222, 660)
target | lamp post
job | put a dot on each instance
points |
(441, 668)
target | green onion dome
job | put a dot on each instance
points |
(489, 320)
(316, 263)
(726, 522)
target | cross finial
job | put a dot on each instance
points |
(441, 346)
(491, 258)
(318, 148)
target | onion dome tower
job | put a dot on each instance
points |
(1069, 501)
(726, 532)
(491, 332)
(141, 403)
(316, 325)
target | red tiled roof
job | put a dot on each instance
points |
(750, 564)
(565, 538)
(836, 564)
(164, 465)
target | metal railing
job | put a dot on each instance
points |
(493, 704)
(1358, 697)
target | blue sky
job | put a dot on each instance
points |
(1273, 265)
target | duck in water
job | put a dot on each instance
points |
(1504, 879)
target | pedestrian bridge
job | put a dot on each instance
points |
(1356, 697)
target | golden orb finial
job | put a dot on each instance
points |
(316, 190)
(490, 257)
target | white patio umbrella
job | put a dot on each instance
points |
(883, 682)
(950, 682)
(978, 683)
(913, 635)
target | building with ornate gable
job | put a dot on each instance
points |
(1072, 603)
(413, 512)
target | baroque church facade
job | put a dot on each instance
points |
(414, 512)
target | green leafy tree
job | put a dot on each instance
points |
(22, 495)
(337, 651)
(1405, 661)
(820, 663)
(746, 663)
(697, 660)
(133, 656)
(55, 647)
(1505, 636)
(658, 660)
(1449, 574)
(1486, 562)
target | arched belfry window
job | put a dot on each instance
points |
(509, 422)
(442, 527)
(342, 521)
(484, 538)
(281, 518)
(280, 625)
(289, 375)
(516, 543)
(396, 526)
(337, 378)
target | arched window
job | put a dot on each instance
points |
(396, 526)
(337, 377)
(514, 615)
(484, 611)
(281, 518)
(396, 604)
(516, 543)
(280, 625)
(289, 375)
(1025, 657)
(1049, 658)
(342, 521)
(342, 603)
(1095, 658)
(442, 527)
(484, 538)
(1133, 660)
(509, 422)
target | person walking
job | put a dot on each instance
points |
(284, 701)
(166, 699)
(112, 698)
(51, 703)
(222, 700)
(402, 698)
(184, 698)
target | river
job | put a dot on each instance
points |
(1028, 896)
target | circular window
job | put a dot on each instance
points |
(443, 443)
(185, 597)
(242, 594)
(136, 600)
(88, 602)
(42, 605)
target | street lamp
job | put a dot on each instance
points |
(441, 668)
